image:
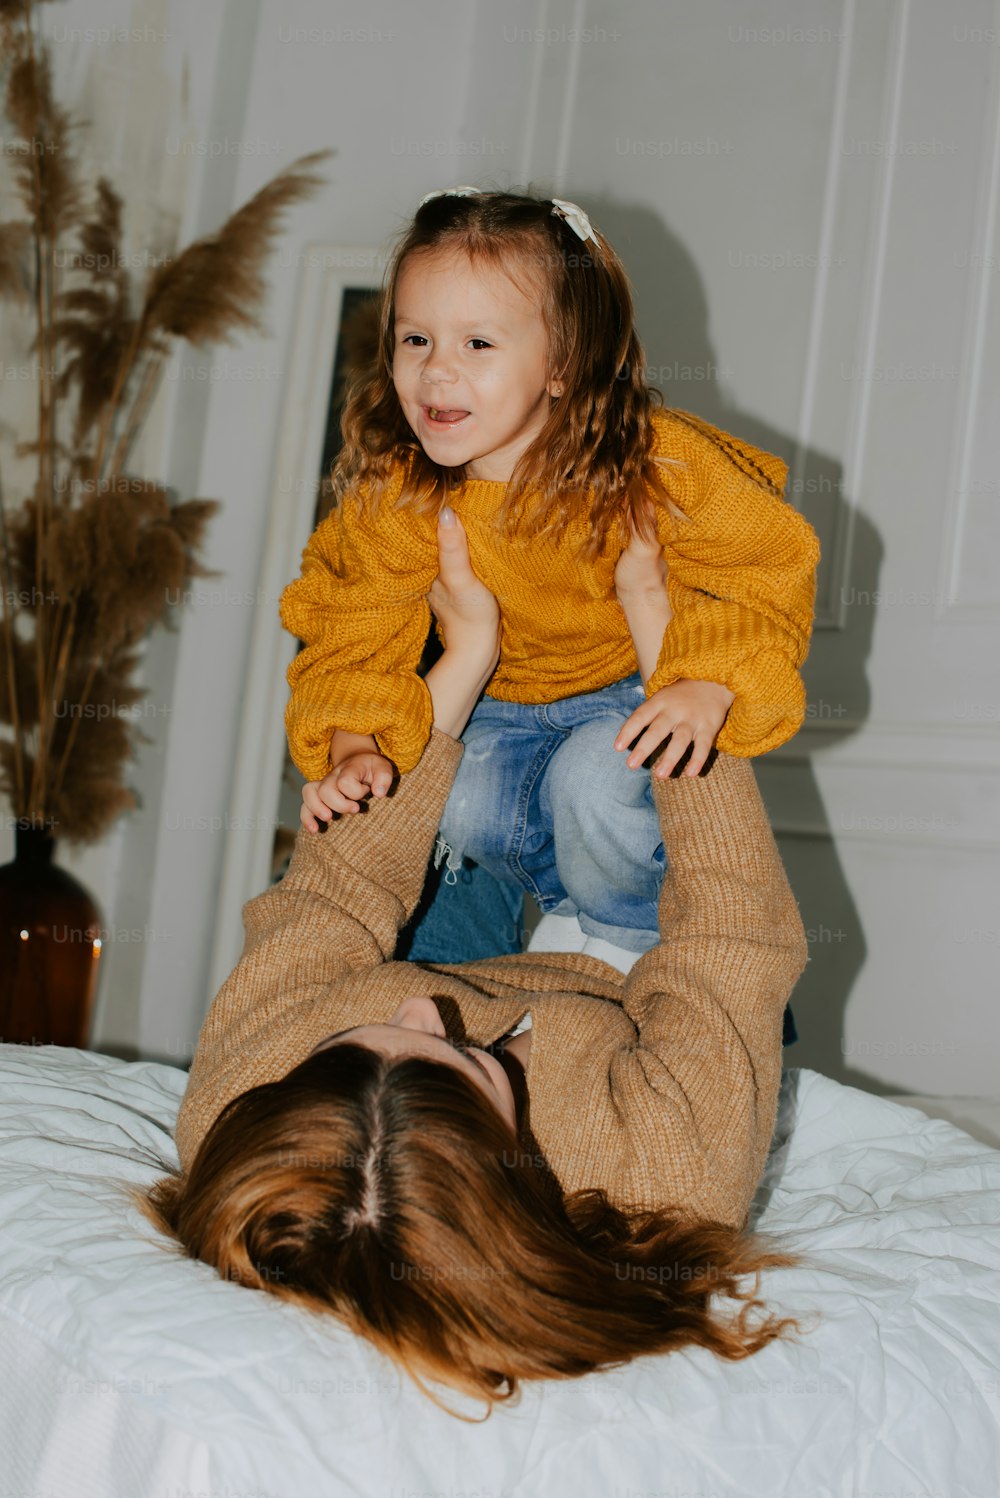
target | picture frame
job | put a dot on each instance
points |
(335, 279)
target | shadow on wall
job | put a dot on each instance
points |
(673, 317)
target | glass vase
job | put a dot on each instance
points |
(50, 947)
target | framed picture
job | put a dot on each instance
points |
(337, 290)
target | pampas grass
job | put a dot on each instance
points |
(92, 556)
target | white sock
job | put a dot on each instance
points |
(557, 933)
(619, 957)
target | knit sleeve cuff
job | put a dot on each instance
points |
(769, 708)
(770, 697)
(396, 709)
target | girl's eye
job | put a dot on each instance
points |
(481, 342)
(416, 339)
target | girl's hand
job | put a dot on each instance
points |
(354, 778)
(464, 607)
(687, 713)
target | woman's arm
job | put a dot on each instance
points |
(361, 878)
(351, 888)
(697, 1093)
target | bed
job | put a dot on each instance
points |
(130, 1372)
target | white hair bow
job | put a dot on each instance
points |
(575, 217)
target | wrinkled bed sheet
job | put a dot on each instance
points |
(128, 1371)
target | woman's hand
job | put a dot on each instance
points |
(464, 607)
(469, 617)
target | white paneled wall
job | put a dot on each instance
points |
(806, 198)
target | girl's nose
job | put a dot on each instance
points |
(437, 369)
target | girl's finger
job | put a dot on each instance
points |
(381, 781)
(314, 803)
(675, 750)
(337, 801)
(634, 724)
(351, 786)
(699, 754)
(647, 745)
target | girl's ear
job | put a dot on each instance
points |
(555, 388)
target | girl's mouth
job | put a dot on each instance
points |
(439, 417)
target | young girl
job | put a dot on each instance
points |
(509, 390)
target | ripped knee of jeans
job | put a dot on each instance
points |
(442, 850)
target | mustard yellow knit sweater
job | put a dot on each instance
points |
(741, 582)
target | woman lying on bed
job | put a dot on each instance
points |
(357, 1136)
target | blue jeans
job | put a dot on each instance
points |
(542, 800)
(466, 917)
(478, 917)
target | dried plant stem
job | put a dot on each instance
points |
(45, 275)
(45, 738)
(43, 492)
(57, 780)
(61, 640)
(111, 408)
(10, 634)
(137, 415)
(55, 638)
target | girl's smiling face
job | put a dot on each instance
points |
(471, 364)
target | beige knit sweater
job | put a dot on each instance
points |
(660, 1086)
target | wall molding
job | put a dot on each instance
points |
(827, 616)
(887, 745)
(892, 784)
(974, 341)
(819, 832)
(328, 269)
(875, 270)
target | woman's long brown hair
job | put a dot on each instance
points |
(390, 1192)
(593, 456)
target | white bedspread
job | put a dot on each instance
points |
(128, 1372)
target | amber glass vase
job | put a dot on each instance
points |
(50, 946)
